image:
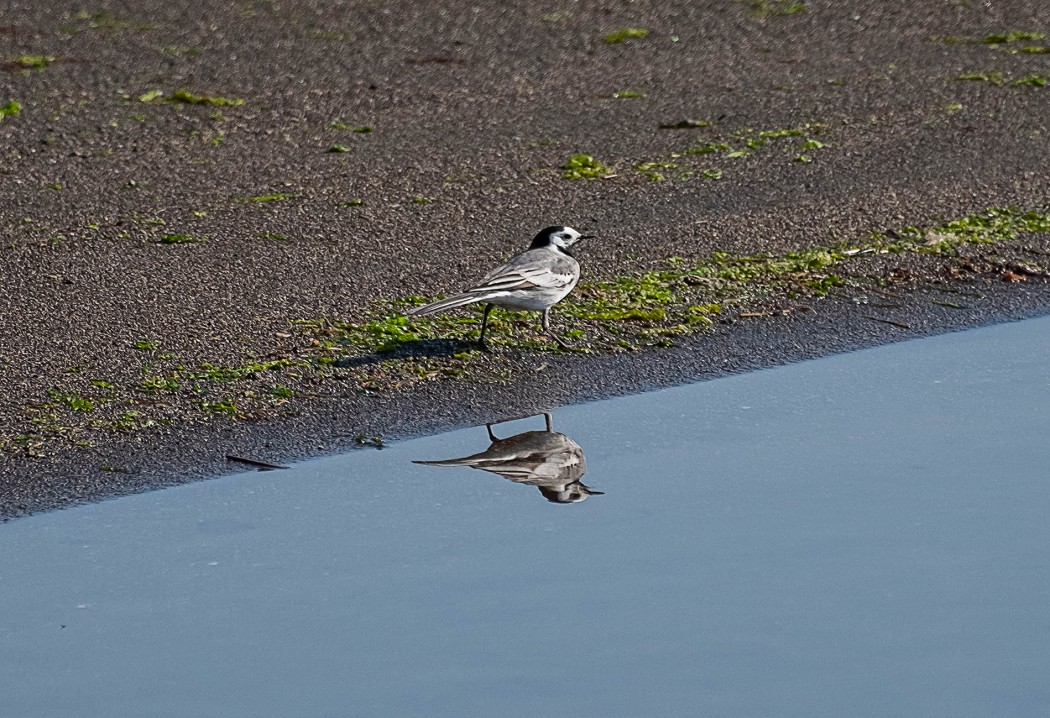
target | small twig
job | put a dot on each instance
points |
(746, 315)
(950, 305)
(260, 465)
(899, 325)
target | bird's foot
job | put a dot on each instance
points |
(560, 341)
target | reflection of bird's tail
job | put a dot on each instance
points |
(465, 461)
(441, 305)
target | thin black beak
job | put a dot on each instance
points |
(585, 236)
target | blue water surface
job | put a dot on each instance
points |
(861, 535)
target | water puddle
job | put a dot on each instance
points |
(859, 535)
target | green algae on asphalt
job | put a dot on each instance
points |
(185, 97)
(994, 78)
(1007, 42)
(993, 39)
(624, 34)
(798, 142)
(582, 166)
(740, 144)
(31, 62)
(388, 351)
(264, 198)
(997, 79)
(101, 20)
(73, 401)
(1012, 36)
(1034, 80)
(655, 171)
(11, 108)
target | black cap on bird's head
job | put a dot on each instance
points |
(573, 493)
(558, 237)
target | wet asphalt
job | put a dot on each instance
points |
(473, 110)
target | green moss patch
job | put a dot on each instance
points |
(264, 198)
(584, 167)
(1003, 38)
(1030, 81)
(1009, 42)
(798, 143)
(346, 126)
(994, 78)
(186, 97)
(102, 20)
(997, 79)
(656, 171)
(622, 35)
(31, 62)
(10, 109)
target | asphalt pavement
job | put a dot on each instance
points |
(191, 183)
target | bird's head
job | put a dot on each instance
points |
(559, 238)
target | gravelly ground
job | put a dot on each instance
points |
(474, 107)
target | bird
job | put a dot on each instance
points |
(534, 280)
(548, 460)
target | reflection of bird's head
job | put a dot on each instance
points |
(572, 493)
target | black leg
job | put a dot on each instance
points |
(545, 322)
(484, 325)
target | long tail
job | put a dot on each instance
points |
(465, 461)
(441, 305)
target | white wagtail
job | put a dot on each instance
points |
(534, 281)
(550, 461)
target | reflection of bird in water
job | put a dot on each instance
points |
(550, 461)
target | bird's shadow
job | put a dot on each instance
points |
(415, 349)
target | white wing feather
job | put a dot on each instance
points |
(522, 278)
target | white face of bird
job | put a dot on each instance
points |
(557, 237)
(565, 237)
